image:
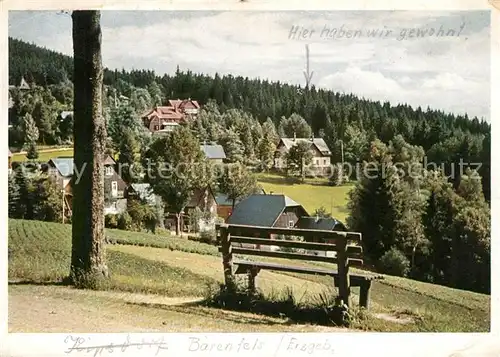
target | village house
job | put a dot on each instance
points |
(225, 204)
(141, 192)
(166, 118)
(62, 170)
(322, 224)
(204, 200)
(320, 164)
(267, 210)
(23, 85)
(215, 153)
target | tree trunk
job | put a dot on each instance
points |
(88, 259)
(177, 224)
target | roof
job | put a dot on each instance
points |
(320, 223)
(318, 142)
(64, 165)
(144, 192)
(213, 151)
(24, 84)
(163, 112)
(260, 210)
(109, 160)
(199, 195)
(223, 200)
(183, 103)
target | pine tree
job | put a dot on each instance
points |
(23, 201)
(129, 157)
(233, 147)
(31, 133)
(247, 141)
(265, 151)
(32, 152)
(14, 197)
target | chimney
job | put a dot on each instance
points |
(294, 136)
(316, 219)
(312, 137)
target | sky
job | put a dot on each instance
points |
(439, 60)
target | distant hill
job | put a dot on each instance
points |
(443, 136)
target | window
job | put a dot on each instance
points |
(109, 170)
(156, 127)
(291, 224)
(114, 188)
(324, 162)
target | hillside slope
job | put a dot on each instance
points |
(40, 252)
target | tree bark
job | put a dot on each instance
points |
(88, 258)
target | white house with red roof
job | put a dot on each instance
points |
(166, 118)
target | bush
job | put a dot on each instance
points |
(111, 221)
(207, 236)
(142, 215)
(394, 262)
(125, 221)
(337, 177)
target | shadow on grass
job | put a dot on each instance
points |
(280, 180)
(39, 283)
(199, 308)
(290, 180)
(326, 309)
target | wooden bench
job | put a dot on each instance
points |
(345, 245)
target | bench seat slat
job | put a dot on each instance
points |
(356, 279)
(283, 255)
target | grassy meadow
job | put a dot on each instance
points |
(312, 194)
(170, 267)
(44, 155)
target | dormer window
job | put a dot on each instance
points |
(109, 171)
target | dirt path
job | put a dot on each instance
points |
(62, 309)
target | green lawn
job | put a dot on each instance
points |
(40, 252)
(44, 156)
(312, 194)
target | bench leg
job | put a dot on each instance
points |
(364, 294)
(252, 273)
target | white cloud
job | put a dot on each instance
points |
(444, 81)
(444, 73)
(448, 91)
(365, 83)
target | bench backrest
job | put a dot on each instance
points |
(346, 245)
